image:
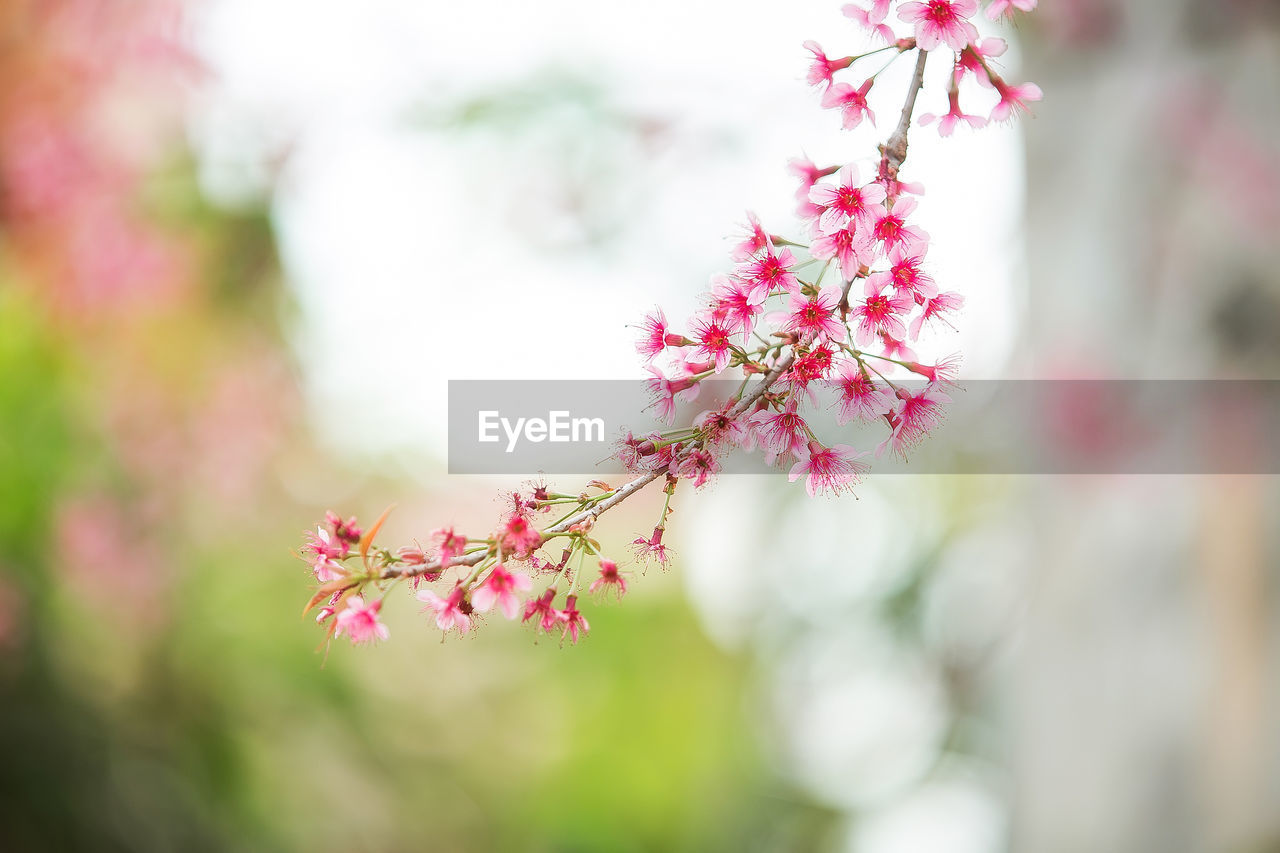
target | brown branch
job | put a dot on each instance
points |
(618, 496)
(895, 150)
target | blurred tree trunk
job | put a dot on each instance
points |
(1145, 696)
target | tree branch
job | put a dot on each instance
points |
(895, 150)
(619, 495)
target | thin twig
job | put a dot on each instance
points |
(621, 494)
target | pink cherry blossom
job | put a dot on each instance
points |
(935, 308)
(972, 60)
(347, 531)
(449, 543)
(713, 338)
(755, 239)
(947, 123)
(941, 22)
(500, 587)
(783, 432)
(735, 304)
(849, 249)
(324, 549)
(651, 548)
(541, 608)
(809, 366)
(809, 174)
(572, 619)
(668, 391)
(904, 274)
(860, 397)
(872, 19)
(822, 68)
(1013, 99)
(851, 102)
(518, 534)
(917, 415)
(452, 611)
(360, 622)
(879, 313)
(1005, 7)
(718, 427)
(892, 230)
(846, 202)
(896, 348)
(814, 317)
(771, 271)
(610, 578)
(944, 372)
(828, 469)
(699, 467)
(653, 334)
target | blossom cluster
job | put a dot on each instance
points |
(841, 304)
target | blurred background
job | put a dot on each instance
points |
(244, 244)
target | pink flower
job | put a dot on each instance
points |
(822, 68)
(699, 466)
(610, 578)
(860, 397)
(828, 469)
(573, 620)
(735, 304)
(667, 392)
(1003, 7)
(653, 334)
(849, 249)
(451, 612)
(918, 414)
(1013, 99)
(500, 588)
(948, 122)
(872, 19)
(941, 21)
(324, 549)
(807, 367)
(783, 432)
(713, 339)
(809, 174)
(651, 548)
(814, 317)
(935, 308)
(717, 427)
(972, 60)
(755, 240)
(879, 313)
(344, 531)
(891, 227)
(542, 609)
(770, 272)
(846, 202)
(943, 373)
(904, 274)
(519, 536)
(360, 622)
(851, 102)
(896, 348)
(450, 544)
